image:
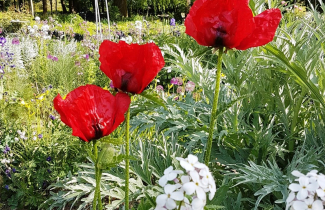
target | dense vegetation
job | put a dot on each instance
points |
(270, 118)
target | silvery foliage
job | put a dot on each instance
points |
(29, 49)
(63, 49)
(17, 58)
(23, 53)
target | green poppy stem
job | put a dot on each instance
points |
(95, 151)
(127, 160)
(214, 107)
(98, 178)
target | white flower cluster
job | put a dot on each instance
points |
(187, 189)
(309, 193)
(44, 32)
(22, 135)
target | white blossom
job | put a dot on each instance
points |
(169, 175)
(168, 199)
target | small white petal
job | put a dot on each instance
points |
(168, 170)
(185, 179)
(170, 204)
(297, 173)
(178, 171)
(186, 165)
(317, 205)
(171, 176)
(199, 165)
(299, 205)
(320, 192)
(198, 203)
(200, 193)
(312, 186)
(192, 158)
(294, 187)
(291, 197)
(321, 181)
(303, 181)
(178, 195)
(302, 194)
(195, 176)
(170, 188)
(163, 181)
(189, 188)
(161, 200)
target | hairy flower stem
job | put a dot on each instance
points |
(98, 178)
(95, 151)
(127, 160)
(214, 107)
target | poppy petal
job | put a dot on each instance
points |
(91, 111)
(130, 67)
(266, 24)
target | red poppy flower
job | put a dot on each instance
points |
(130, 67)
(91, 111)
(230, 24)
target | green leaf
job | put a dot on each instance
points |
(296, 71)
(154, 97)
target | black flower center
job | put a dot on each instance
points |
(98, 131)
(220, 35)
(125, 81)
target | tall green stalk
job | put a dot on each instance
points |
(127, 160)
(98, 175)
(95, 151)
(98, 178)
(214, 107)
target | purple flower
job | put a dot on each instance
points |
(50, 86)
(173, 81)
(176, 81)
(159, 88)
(172, 22)
(189, 86)
(49, 56)
(8, 173)
(14, 170)
(7, 149)
(52, 117)
(2, 41)
(86, 56)
(15, 41)
(7, 187)
(55, 58)
(49, 171)
(111, 84)
(48, 158)
(40, 136)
